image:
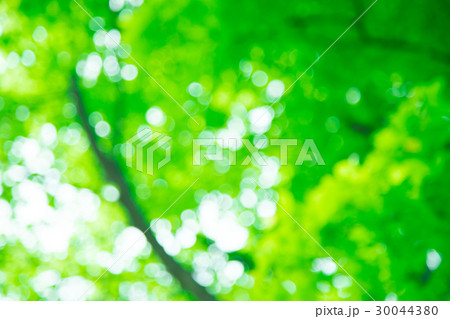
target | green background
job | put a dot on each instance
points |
(376, 105)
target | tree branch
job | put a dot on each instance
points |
(114, 174)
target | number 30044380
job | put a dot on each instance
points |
(412, 310)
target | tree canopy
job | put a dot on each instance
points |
(78, 79)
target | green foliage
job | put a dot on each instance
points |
(376, 106)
